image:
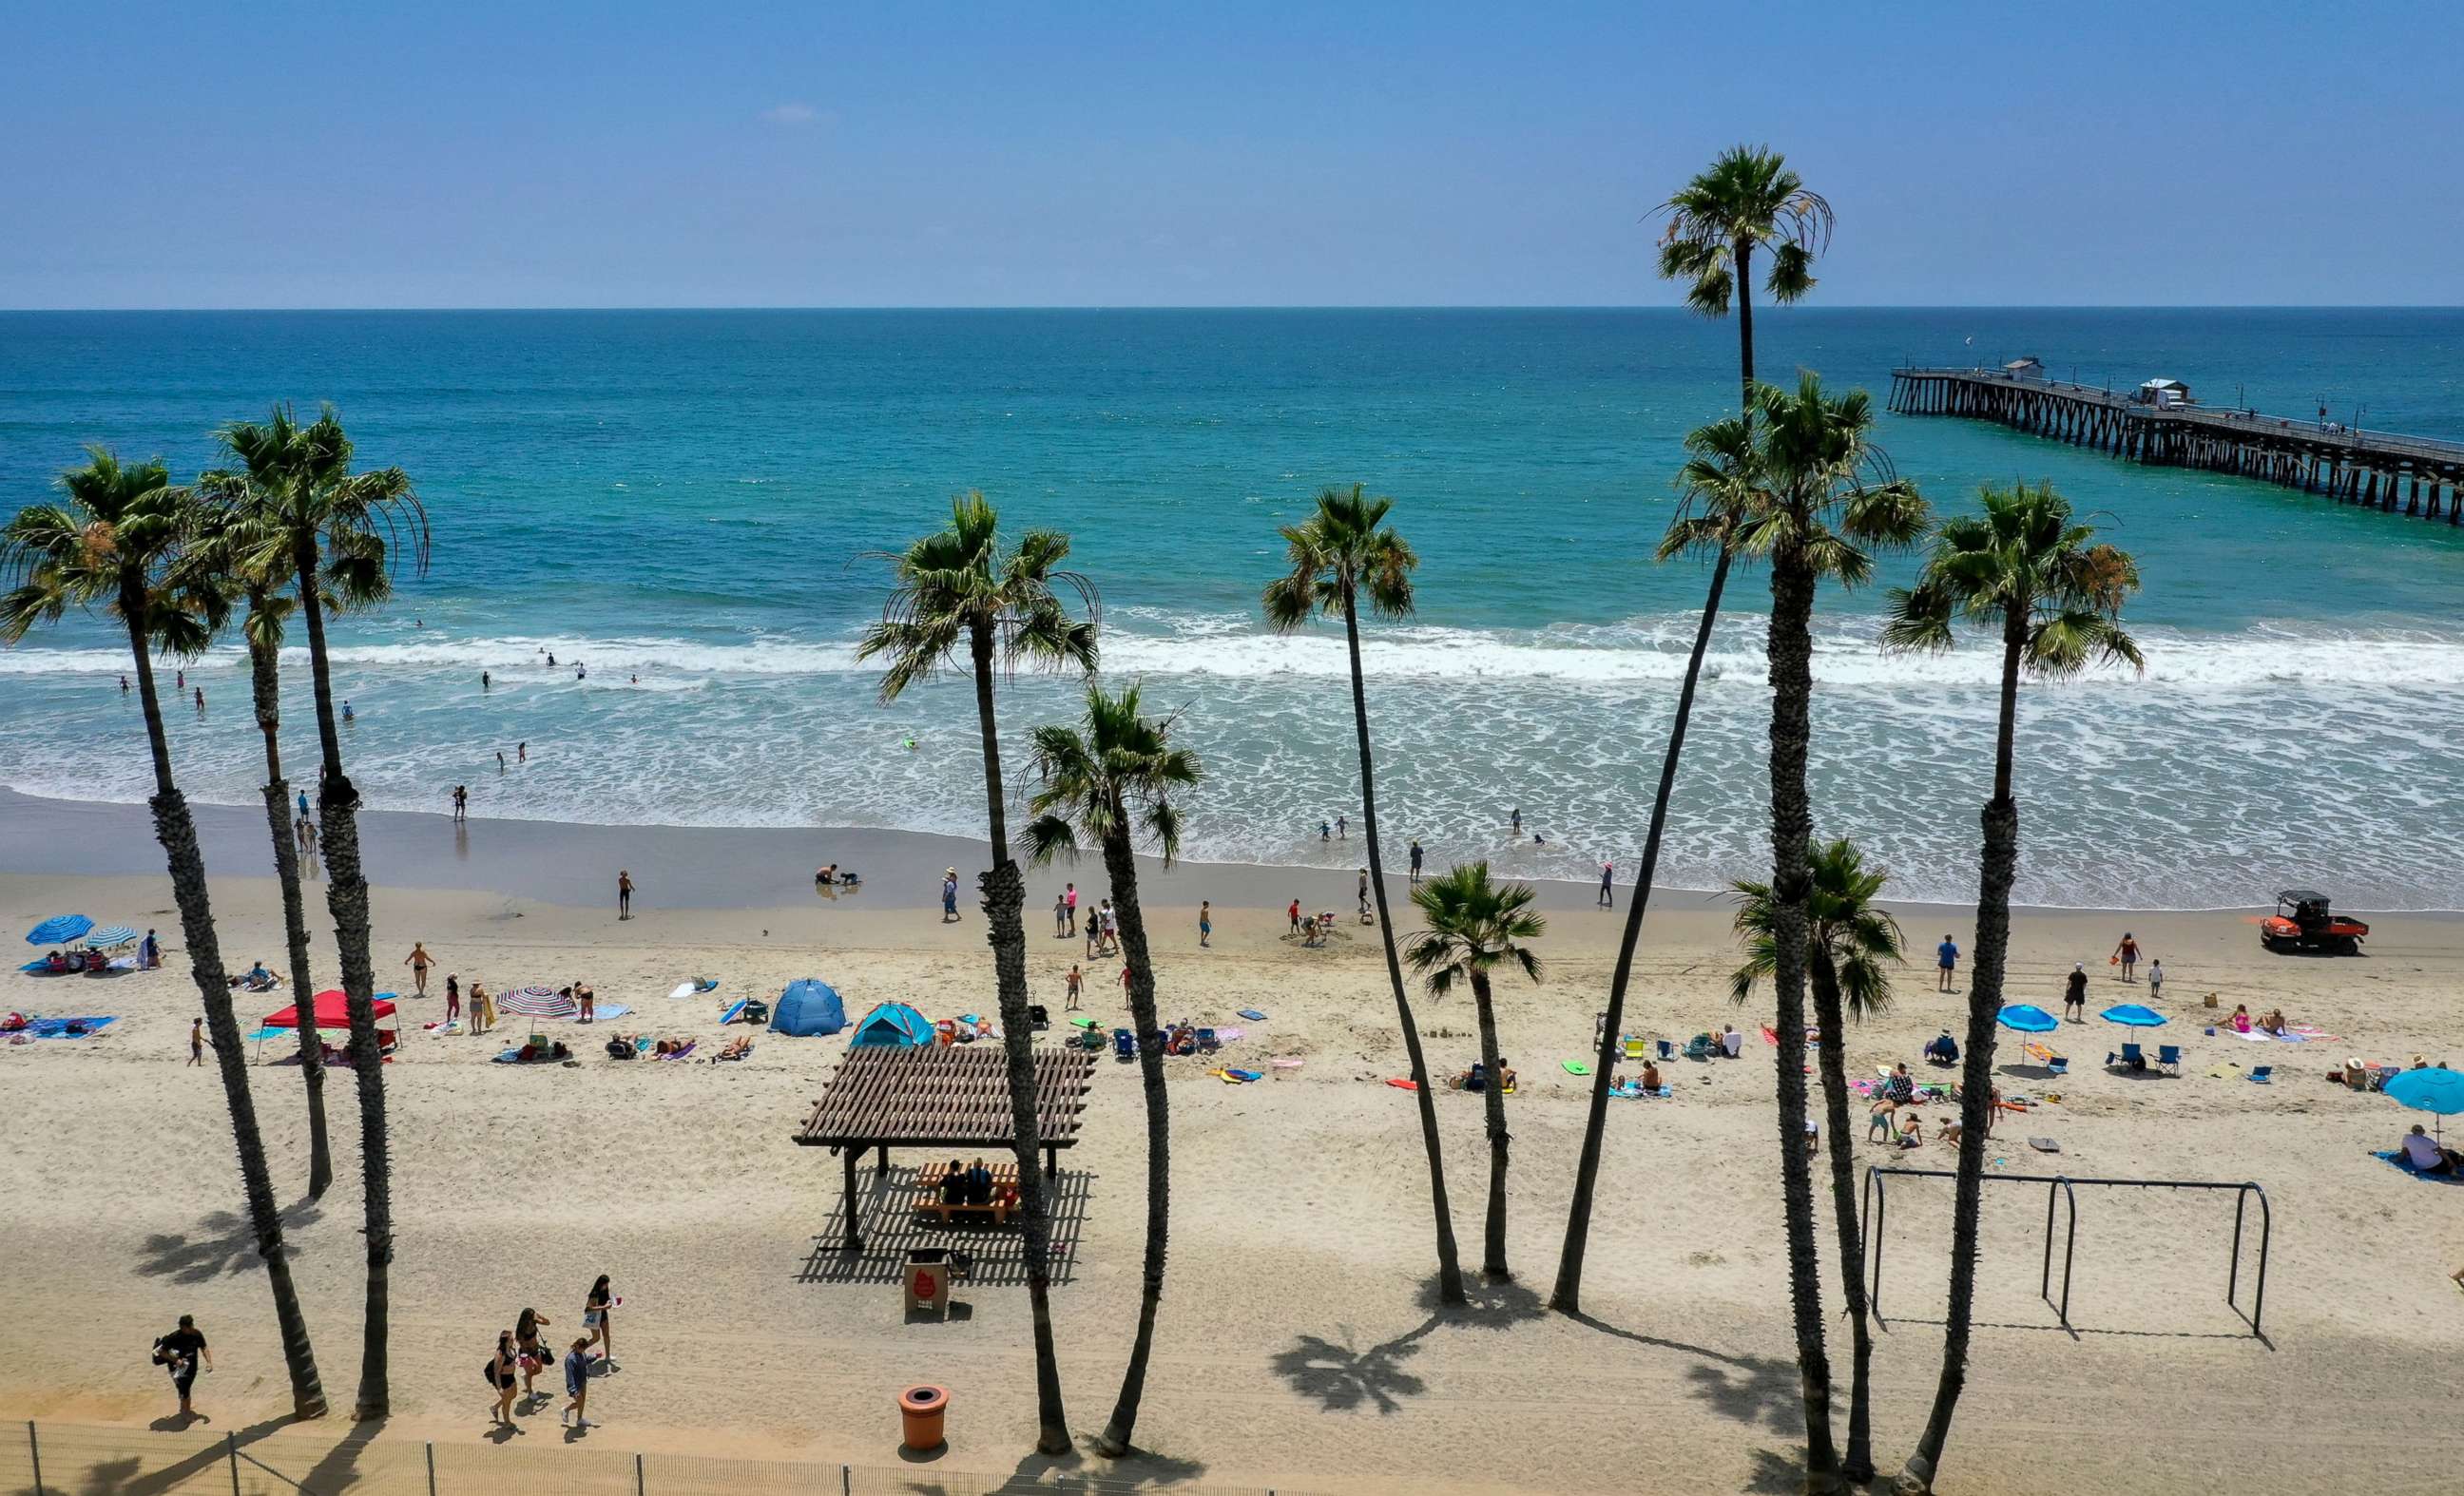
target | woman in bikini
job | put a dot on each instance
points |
(526, 1344)
(500, 1375)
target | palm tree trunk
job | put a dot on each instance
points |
(1003, 891)
(1997, 869)
(1832, 1063)
(1566, 1297)
(265, 684)
(1121, 868)
(177, 832)
(1450, 1284)
(1493, 1259)
(1792, 679)
(346, 898)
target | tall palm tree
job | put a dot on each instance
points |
(958, 595)
(1746, 201)
(227, 558)
(107, 545)
(1827, 495)
(1474, 928)
(1342, 556)
(332, 530)
(1851, 943)
(2025, 570)
(1114, 781)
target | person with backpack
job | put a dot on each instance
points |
(179, 1353)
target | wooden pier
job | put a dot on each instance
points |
(2375, 470)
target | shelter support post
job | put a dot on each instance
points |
(855, 1242)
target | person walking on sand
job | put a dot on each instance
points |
(1945, 960)
(178, 1353)
(1608, 881)
(1205, 923)
(453, 997)
(197, 1041)
(1094, 934)
(534, 1356)
(1415, 862)
(577, 1385)
(2074, 993)
(2127, 956)
(499, 1373)
(624, 893)
(2155, 981)
(307, 837)
(1295, 912)
(1075, 980)
(597, 1317)
(418, 961)
(1071, 894)
(949, 896)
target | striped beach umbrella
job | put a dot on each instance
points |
(539, 1002)
(58, 930)
(110, 935)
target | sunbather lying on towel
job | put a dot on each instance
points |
(737, 1048)
(257, 978)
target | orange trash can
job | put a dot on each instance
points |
(920, 1409)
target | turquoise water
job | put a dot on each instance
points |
(689, 498)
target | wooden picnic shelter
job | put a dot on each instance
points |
(942, 1096)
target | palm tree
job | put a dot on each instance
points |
(1341, 556)
(957, 591)
(1826, 496)
(1850, 943)
(1474, 928)
(1111, 782)
(2053, 593)
(332, 530)
(1746, 200)
(227, 559)
(107, 545)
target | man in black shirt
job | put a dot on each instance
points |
(178, 1353)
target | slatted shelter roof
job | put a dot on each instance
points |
(946, 1095)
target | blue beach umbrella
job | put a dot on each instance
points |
(2132, 1015)
(58, 930)
(2027, 1019)
(2439, 1091)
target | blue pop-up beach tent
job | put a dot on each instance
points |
(809, 1006)
(891, 1024)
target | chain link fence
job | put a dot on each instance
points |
(47, 1459)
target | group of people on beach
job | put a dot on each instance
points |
(520, 1350)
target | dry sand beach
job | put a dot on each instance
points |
(1296, 1347)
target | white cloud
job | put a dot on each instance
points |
(791, 114)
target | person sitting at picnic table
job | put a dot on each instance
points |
(954, 1184)
(2273, 1023)
(1902, 1087)
(979, 1185)
(2240, 1019)
(2426, 1155)
(1942, 1049)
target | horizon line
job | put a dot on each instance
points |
(1259, 306)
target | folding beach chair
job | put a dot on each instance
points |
(2168, 1057)
(1124, 1045)
(1634, 1048)
(2264, 1074)
(2131, 1058)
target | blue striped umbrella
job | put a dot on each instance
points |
(110, 935)
(58, 930)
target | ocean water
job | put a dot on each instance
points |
(694, 498)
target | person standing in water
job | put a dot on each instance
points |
(485, 683)
(346, 709)
(1608, 882)
(201, 700)
(500, 760)
(624, 893)
(1518, 821)
(124, 685)
(522, 752)
(1342, 829)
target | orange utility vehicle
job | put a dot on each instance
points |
(2302, 921)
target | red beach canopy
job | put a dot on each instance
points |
(331, 1013)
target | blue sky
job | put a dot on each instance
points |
(607, 153)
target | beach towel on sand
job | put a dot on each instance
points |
(2394, 1158)
(59, 1027)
